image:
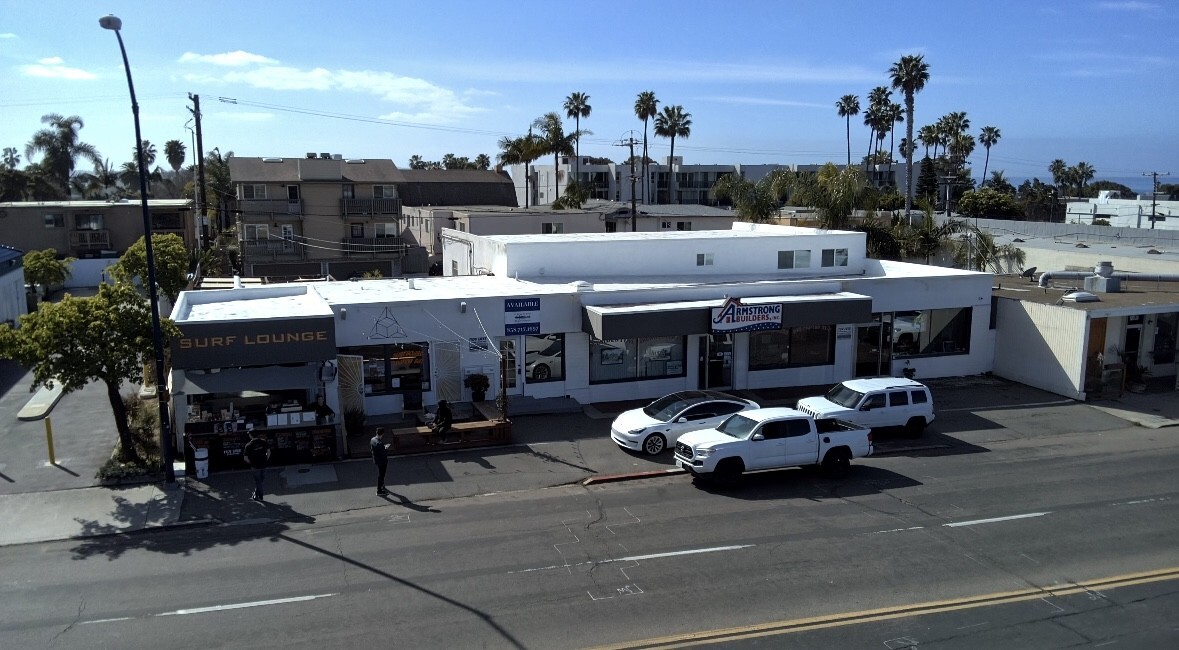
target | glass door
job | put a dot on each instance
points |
(872, 349)
(716, 361)
(509, 367)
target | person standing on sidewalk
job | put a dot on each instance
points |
(380, 458)
(257, 453)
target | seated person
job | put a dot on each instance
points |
(323, 412)
(443, 420)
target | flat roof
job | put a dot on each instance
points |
(1163, 295)
(350, 292)
(160, 203)
(665, 235)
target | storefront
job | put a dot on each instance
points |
(276, 377)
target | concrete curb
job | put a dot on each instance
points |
(634, 476)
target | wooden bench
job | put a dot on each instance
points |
(480, 433)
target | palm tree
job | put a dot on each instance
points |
(847, 106)
(673, 123)
(909, 76)
(1057, 168)
(97, 184)
(878, 98)
(832, 191)
(554, 140)
(175, 151)
(149, 154)
(757, 202)
(11, 158)
(577, 106)
(521, 151)
(646, 108)
(928, 138)
(60, 147)
(482, 162)
(893, 116)
(1083, 173)
(987, 138)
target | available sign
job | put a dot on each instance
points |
(521, 316)
(733, 316)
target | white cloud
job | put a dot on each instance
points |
(282, 78)
(52, 68)
(235, 59)
(653, 71)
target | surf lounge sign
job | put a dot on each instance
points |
(229, 344)
(732, 316)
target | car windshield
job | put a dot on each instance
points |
(667, 407)
(844, 396)
(552, 350)
(737, 426)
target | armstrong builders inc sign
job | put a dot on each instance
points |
(732, 316)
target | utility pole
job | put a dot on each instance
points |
(202, 201)
(634, 212)
(1154, 193)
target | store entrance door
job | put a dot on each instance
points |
(509, 367)
(871, 350)
(716, 361)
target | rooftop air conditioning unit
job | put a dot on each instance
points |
(310, 155)
(325, 156)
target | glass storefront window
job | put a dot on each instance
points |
(544, 358)
(1165, 334)
(792, 347)
(931, 332)
(400, 368)
(636, 359)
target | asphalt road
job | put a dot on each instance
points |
(1041, 500)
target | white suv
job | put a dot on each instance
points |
(876, 403)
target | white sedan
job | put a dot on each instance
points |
(658, 425)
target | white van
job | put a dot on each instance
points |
(876, 403)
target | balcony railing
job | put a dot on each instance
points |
(254, 249)
(370, 207)
(90, 239)
(262, 207)
(372, 246)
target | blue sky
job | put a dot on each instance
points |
(1078, 80)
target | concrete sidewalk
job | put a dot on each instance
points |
(549, 450)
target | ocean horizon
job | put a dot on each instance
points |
(1139, 184)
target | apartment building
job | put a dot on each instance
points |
(324, 214)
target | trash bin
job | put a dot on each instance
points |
(200, 457)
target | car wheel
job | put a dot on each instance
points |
(728, 471)
(540, 372)
(914, 427)
(654, 444)
(837, 463)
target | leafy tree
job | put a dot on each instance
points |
(757, 202)
(834, 193)
(103, 182)
(999, 182)
(1038, 201)
(987, 138)
(10, 159)
(13, 184)
(646, 108)
(416, 162)
(575, 196)
(988, 202)
(977, 251)
(175, 152)
(76, 341)
(43, 268)
(673, 123)
(219, 185)
(482, 162)
(577, 106)
(599, 160)
(172, 264)
(847, 107)
(927, 238)
(60, 146)
(1098, 186)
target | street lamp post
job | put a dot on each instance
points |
(113, 23)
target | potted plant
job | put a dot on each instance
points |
(478, 383)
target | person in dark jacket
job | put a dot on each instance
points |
(443, 420)
(257, 453)
(380, 458)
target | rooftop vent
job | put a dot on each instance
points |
(355, 161)
(272, 160)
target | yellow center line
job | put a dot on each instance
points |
(889, 613)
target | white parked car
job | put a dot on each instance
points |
(658, 425)
(876, 403)
(545, 364)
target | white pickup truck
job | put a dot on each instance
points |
(771, 438)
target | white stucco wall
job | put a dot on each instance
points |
(1043, 346)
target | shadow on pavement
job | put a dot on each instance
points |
(808, 483)
(259, 521)
(10, 375)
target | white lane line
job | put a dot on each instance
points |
(257, 603)
(1140, 501)
(636, 558)
(994, 520)
(996, 407)
(894, 530)
(107, 620)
